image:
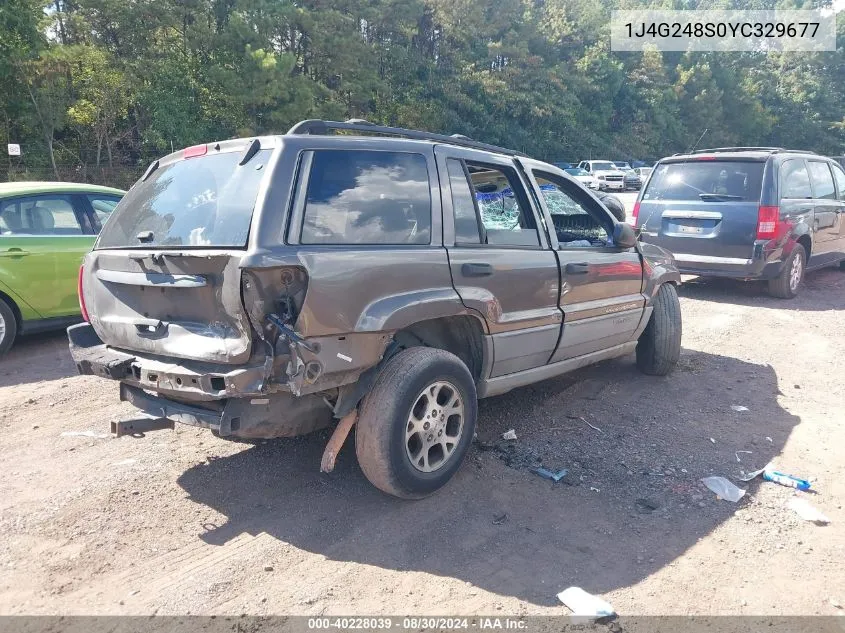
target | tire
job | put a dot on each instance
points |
(8, 327)
(659, 346)
(787, 284)
(392, 450)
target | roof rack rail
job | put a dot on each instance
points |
(772, 150)
(318, 126)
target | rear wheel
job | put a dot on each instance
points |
(416, 424)
(8, 327)
(788, 282)
(659, 346)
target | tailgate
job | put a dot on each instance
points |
(703, 206)
(181, 304)
(716, 229)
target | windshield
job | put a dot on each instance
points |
(711, 180)
(577, 171)
(196, 202)
(608, 166)
(624, 166)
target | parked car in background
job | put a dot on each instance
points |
(622, 165)
(605, 172)
(563, 166)
(750, 213)
(632, 180)
(45, 230)
(261, 287)
(583, 176)
(643, 172)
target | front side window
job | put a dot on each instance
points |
(795, 181)
(575, 225)
(367, 197)
(822, 180)
(506, 216)
(39, 215)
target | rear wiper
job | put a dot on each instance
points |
(145, 236)
(718, 196)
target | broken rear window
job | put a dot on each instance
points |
(196, 202)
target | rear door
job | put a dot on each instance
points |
(44, 238)
(703, 208)
(839, 179)
(501, 262)
(164, 277)
(827, 211)
(601, 293)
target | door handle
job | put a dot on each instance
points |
(14, 252)
(579, 268)
(476, 270)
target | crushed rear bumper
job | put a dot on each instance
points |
(765, 263)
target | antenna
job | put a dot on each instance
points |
(698, 141)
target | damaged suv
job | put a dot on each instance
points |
(382, 277)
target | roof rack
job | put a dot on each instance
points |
(318, 126)
(772, 150)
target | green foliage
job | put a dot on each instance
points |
(91, 80)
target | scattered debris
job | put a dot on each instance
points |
(134, 592)
(723, 488)
(737, 455)
(807, 512)
(499, 520)
(835, 603)
(268, 568)
(34, 426)
(594, 489)
(93, 434)
(592, 426)
(646, 506)
(786, 480)
(768, 439)
(739, 408)
(712, 440)
(509, 435)
(584, 604)
(752, 475)
(548, 474)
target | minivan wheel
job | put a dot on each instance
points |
(788, 282)
(416, 424)
(659, 346)
(8, 327)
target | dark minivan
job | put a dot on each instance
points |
(747, 212)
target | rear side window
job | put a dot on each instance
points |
(196, 202)
(822, 180)
(839, 176)
(367, 197)
(794, 179)
(707, 180)
(41, 215)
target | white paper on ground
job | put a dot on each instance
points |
(582, 603)
(806, 511)
(724, 488)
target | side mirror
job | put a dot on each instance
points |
(624, 235)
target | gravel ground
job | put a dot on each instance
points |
(182, 522)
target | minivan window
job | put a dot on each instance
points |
(706, 180)
(195, 202)
(839, 175)
(795, 181)
(822, 180)
(367, 197)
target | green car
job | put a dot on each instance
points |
(45, 229)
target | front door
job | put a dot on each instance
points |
(502, 265)
(41, 248)
(601, 296)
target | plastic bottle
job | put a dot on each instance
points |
(786, 480)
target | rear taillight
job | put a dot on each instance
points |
(768, 220)
(82, 307)
(636, 212)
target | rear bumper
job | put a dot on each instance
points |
(166, 375)
(229, 401)
(764, 263)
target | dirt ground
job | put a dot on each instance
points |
(180, 522)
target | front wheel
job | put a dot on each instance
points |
(788, 282)
(416, 424)
(659, 347)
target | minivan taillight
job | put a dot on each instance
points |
(768, 219)
(82, 307)
(636, 212)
